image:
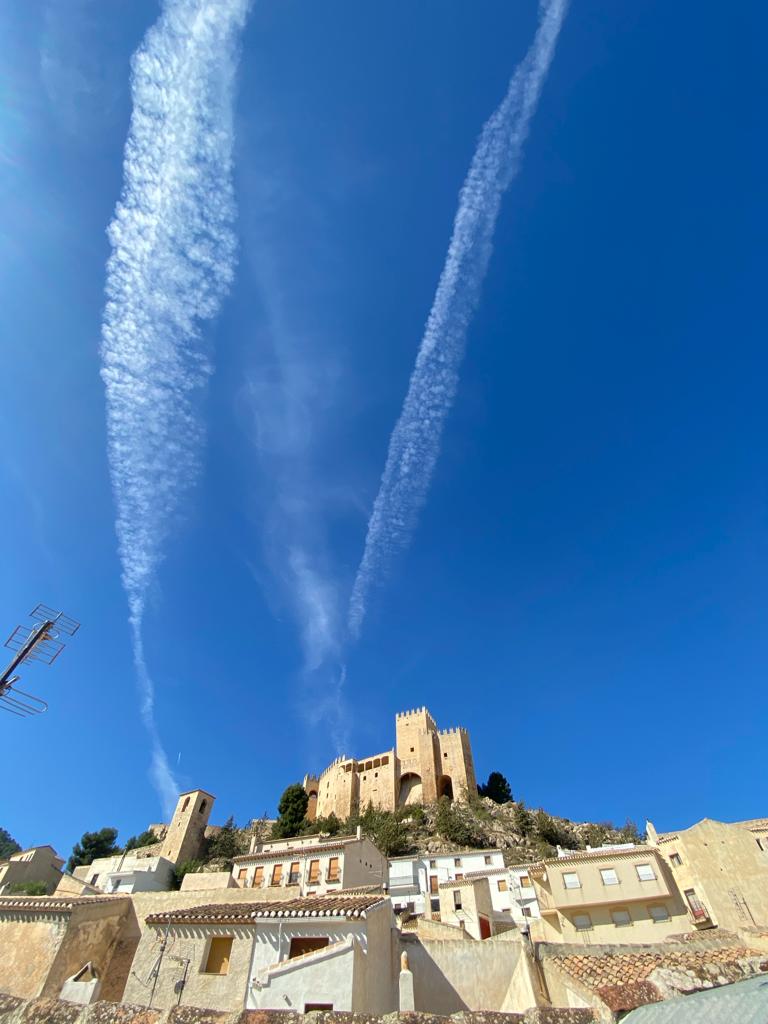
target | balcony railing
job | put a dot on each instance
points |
(293, 878)
(697, 912)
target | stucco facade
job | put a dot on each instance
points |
(44, 941)
(37, 864)
(721, 869)
(610, 896)
(330, 952)
(425, 764)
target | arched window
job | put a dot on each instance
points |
(185, 805)
(203, 805)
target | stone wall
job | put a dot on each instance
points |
(51, 1011)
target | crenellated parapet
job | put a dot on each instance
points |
(425, 764)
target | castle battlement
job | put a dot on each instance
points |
(416, 771)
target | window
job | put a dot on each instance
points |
(433, 884)
(456, 899)
(277, 874)
(219, 950)
(308, 1007)
(459, 876)
(645, 872)
(94, 880)
(525, 882)
(487, 858)
(203, 805)
(571, 880)
(258, 877)
(621, 918)
(293, 874)
(433, 863)
(675, 859)
(185, 805)
(307, 944)
(314, 872)
(241, 874)
(457, 862)
(658, 913)
(609, 876)
(582, 922)
(502, 883)
(333, 869)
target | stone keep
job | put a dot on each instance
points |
(425, 764)
(186, 833)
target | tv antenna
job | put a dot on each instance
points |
(39, 642)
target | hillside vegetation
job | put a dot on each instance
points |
(480, 822)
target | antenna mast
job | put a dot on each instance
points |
(39, 642)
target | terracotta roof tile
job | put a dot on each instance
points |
(247, 913)
(606, 971)
(51, 904)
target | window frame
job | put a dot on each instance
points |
(209, 946)
(659, 906)
(646, 864)
(610, 881)
(584, 916)
(622, 910)
(571, 874)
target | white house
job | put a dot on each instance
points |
(314, 865)
(414, 881)
(331, 952)
(127, 872)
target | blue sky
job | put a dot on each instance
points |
(584, 589)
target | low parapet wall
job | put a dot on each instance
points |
(53, 1011)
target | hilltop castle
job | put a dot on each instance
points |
(425, 764)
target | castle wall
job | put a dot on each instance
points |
(416, 771)
(378, 778)
(455, 759)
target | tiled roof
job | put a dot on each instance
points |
(52, 905)
(607, 970)
(285, 851)
(582, 855)
(247, 913)
(484, 873)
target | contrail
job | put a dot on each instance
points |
(415, 441)
(173, 258)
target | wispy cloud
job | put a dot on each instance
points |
(415, 442)
(172, 261)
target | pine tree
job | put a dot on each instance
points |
(92, 846)
(291, 810)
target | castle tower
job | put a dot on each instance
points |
(312, 788)
(186, 834)
(418, 752)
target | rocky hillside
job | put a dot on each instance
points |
(523, 834)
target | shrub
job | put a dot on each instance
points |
(291, 811)
(185, 868)
(28, 889)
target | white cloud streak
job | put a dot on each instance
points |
(173, 258)
(415, 442)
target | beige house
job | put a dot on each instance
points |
(311, 865)
(324, 953)
(37, 864)
(721, 870)
(425, 764)
(45, 941)
(607, 896)
(466, 903)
